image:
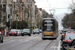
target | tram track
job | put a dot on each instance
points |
(21, 43)
(51, 43)
(48, 45)
(34, 45)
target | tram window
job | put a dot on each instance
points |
(48, 24)
(48, 28)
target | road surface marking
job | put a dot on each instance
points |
(59, 46)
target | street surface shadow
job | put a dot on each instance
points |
(49, 38)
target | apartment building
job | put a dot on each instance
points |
(3, 14)
(9, 13)
(29, 12)
(17, 11)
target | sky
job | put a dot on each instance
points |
(56, 4)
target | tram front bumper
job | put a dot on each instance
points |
(49, 36)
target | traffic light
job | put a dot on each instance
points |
(8, 24)
(8, 15)
(39, 27)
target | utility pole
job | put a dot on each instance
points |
(28, 15)
(7, 18)
(16, 13)
(10, 15)
(7, 10)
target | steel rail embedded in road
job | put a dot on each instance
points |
(34, 45)
(48, 45)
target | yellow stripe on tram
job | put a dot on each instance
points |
(48, 33)
(48, 21)
(70, 49)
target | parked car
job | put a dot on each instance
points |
(67, 31)
(26, 32)
(63, 35)
(70, 32)
(13, 32)
(18, 32)
(1, 37)
(36, 31)
(72, 46)
(21, 30)
(40, 31)
(67, 41)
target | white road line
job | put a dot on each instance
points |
(59, 46)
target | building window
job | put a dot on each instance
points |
(20, 0)
(0, 17)
(4, 19)
(4, 1)
(17, 0)
(27, 1)
(0, 7)
(4, 8)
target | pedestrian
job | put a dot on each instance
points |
(2, 32)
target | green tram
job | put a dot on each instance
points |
(49, 28)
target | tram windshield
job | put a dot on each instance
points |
(48, 25)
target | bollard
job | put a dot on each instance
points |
(7, 33)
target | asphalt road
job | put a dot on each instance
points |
(33, 42)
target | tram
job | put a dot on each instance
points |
(49, 28)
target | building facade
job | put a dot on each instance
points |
(29, 12)
(21, 10)
(3, 10)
